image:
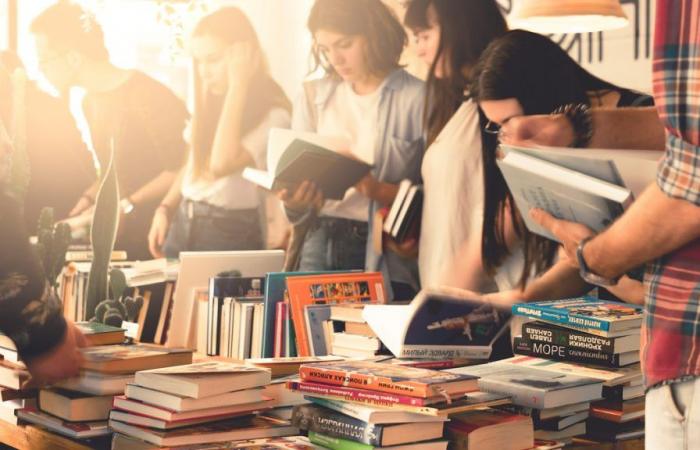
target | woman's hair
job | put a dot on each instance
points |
(230, 25)
(372, 19)
(541, 76)
(69, 27)
(466, 29)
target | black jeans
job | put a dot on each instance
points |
(198, 226)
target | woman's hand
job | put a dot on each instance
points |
(158, 232)
(368, 186)
(306, 196)
(407, 249)
(84, 203)
(243, 61)
(62, 362)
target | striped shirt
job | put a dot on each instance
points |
(672, 326)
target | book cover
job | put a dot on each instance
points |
(439, 323)
(332, 423)
(565, 353)
(130, 358)
(410, 381)
(349, 287)
(584, 313)
(565, 193)
(579, 340)
(98, 333)
(532, 387)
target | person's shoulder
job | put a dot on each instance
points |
(411, 88)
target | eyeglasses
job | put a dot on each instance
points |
(492, 127)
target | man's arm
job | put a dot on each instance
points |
(154, 189)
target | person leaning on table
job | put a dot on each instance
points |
(662, 227)
(29, 314)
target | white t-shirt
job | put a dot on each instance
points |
(353, 117)
(232, 191)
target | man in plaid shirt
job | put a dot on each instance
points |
(662, 228)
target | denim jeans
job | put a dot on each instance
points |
(201, 227)
(334, 244)
(672, 416)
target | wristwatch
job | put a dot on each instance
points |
(585, 272)
(126, 205)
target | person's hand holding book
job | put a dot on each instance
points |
(306, 196)
(63, 361)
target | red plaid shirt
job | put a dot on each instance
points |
(672, 327)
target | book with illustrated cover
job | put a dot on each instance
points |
(533, 387)
(294, 157)
(408, 381)
(584, 313)
(331, 423)
(439, 323)
(132, 358)
(348, 287)
(579, 340)
(566, 353)
(203, 379)
(222, 431)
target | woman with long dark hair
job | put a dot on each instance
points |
(450, 37)
(366, 97)
(524, 73)
(236, 102)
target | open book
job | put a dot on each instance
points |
(439, 323)
(293, 157)
(588, 186)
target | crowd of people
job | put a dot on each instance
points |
(182, 189)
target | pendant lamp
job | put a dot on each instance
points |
(568, 16)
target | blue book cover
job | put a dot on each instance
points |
(275, 287)
(584, 313)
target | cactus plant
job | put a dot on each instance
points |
(103, 234)
(114, 312)
(52, 242)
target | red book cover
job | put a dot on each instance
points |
(360, 395)
(280, 317)
(352, 287)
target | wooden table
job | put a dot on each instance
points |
(33, 437)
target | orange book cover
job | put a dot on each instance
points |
(352, 287)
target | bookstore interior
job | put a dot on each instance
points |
(350, 224)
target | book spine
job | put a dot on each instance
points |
(333, 443)
(333, 424)
(551, 315)
(363, 381)
(568, 338)
(356, 395)
(280, 313)
(563, 353)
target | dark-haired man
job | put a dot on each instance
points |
(126, 109)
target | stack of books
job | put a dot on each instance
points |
(13, 374)
(363, 404)
(200, 403)
(490, 429)
(600, 335)
(121, 442)
(79, 407)
(350, 335)
(403, 218)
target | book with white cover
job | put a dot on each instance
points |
(563, 192)
(218, 413)
(179, 403)
(439, 323)
(203, 379)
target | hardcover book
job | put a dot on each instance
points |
(180, 403)
(331, 423)
(409, 381)
(566, 353)
(439, 323)
(531, 387)
(75, 406)
(579, 340)
(123, 442)
(490, 429)
(308, 156)
(335, 443)
(584, 313)
(97, 333)
(78, 430)
(373, 414)
(349, 287)
(131, 358)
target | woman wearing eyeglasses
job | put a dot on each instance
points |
(524, 73)
(367, 98)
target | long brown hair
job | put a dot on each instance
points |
(466, 29)
(372, 19)
(230, 25)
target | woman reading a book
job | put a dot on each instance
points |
(450, 36)
(210, 206)
(367, 98)
(524, 73)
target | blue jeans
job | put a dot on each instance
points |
(672, 416)
(334, 244)
(198, 226)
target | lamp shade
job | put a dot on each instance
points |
(568, 16)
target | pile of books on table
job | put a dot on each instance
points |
(368, 405)
(596, 339)
(201, 403)
(349, 334)
(79, 407)
(13, 374)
